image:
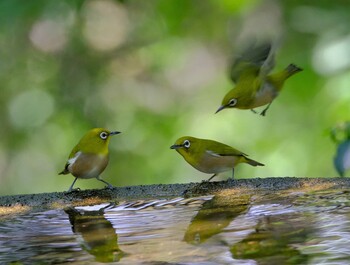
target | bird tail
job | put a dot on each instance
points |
(253, 162)
(278, 78)
(293, 69)
(65, 171)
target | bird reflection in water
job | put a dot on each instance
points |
(98, 236)
(214, 216)
(275, 241)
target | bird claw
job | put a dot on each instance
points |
(230, 180)
(110, 187)
(263, 113)
(203, 182)
(194, 189)
(184, 193)
(73, 190)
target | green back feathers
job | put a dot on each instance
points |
(199, 146)
(194, 149)
(221, 149)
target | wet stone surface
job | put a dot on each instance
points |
(84, 197)
(305, 222)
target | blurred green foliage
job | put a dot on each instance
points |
(157, 70)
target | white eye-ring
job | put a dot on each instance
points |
(232, 102)
(103, 135)
(187, 144)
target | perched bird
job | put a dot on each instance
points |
(255, 86)
(89, 157)
(209, 156)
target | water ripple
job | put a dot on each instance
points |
(295, 228)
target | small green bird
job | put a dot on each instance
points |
(89, 157)
(209, 156)
(255, 87)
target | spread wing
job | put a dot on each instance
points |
(255, 59)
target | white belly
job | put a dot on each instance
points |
(216, 164)
(265, 95)
(87, 165)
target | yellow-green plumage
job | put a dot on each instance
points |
(210, 156)
(255, 87)
(92, 143)
(89, 157)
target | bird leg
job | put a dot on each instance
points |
(264, 111)
(233, 176)
(110, 186)
(254, 111)
(198, 185)
(71, 186)
(211, 178)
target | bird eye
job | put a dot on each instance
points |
(103, 135)
(187, 143)
(232, 102)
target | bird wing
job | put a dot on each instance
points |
(74, 152)
(224, 151)
(257, 59)
(71, 160)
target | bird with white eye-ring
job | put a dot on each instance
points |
(104, 135)
(210, 156)
(255, 85)
(232, 102)
(90, 156)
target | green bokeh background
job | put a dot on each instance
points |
(157, 70)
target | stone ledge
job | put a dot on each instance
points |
(89, 197)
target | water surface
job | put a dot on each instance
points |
(264, 228)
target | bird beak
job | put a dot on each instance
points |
(221, 108)
(113, 133)
(176, 146)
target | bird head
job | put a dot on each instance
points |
(186, 146)
(96, 141)
(234, 99)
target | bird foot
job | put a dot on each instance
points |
(184, 193)
(263, 113)
(230, 180)
(73, 190)
(110, 187)
(196, 189)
